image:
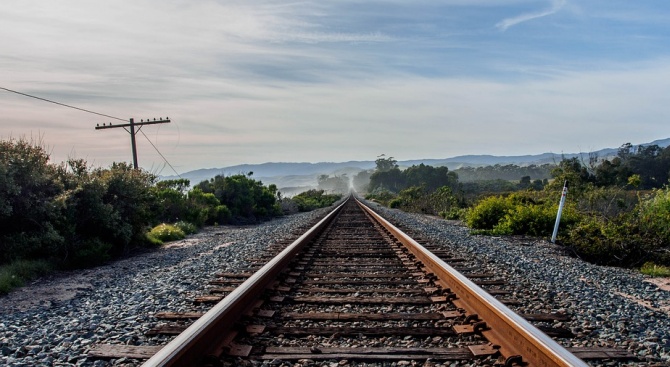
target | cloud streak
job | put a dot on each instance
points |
(252, 81)
(506, 23)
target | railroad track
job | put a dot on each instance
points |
(356, 288)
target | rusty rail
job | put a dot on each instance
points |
(195, 342)
(516, 336)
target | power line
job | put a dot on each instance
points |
(100, 114)
(62, 104)
(159, 153)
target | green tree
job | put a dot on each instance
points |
(246, 198)
(384, 163)
(572, 170)
(28, 187)
(391, 179)
(431, 178)
(171, 200)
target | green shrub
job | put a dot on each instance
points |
(654, 217)
(534, 220)
(381, 196)
(649, 268)
(488, 212)
(166, 232)
(186, 227)
(608, 242)
(15, 274)
(152, 241)
(221, 215)
(9, 281)
(28, 187)
(629, 239)
(314, 199)
(247, 199)
(395, 203)
(90, 253)
(454, 213)
(521, 219)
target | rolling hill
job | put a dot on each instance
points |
(296, 177)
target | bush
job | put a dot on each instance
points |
(534, 220)
(488, 212)
(381, 196)
(649, 268)
(166, 232)
(395, 203)
(15, 274)
(629, 239)
(28, 186)
(314, 199)
(90, 253)
(609, 242)
(454, 214)
(654, 217)
(186, 227)
(153, 241)
(527, 213)
(246, 199)
(222, 214)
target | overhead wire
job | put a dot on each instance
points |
(95, 113)
(159, 153)
(62, 104)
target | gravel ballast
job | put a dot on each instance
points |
(55, 320)
(609, 306)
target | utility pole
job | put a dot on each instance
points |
(132, 131)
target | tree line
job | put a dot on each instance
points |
(618, 209)
(73, 215)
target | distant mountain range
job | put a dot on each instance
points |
(298, 177)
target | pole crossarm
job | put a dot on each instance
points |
(132, 124)
(147, 122)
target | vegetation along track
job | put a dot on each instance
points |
(356, 288)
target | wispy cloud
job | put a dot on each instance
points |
(509, 22)
(246, 82)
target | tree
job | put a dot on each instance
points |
(385, 164)
(28, 187)
(171, 200)
(246, 198)
(573, 171)
(431, 178)
(392, 180)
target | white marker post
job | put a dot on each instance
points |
(560, 211)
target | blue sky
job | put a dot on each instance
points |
(268, 81)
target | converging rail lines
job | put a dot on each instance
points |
(354, 287)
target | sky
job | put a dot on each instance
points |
(259, 81)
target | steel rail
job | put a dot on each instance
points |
(510, 331)
(189, 347)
